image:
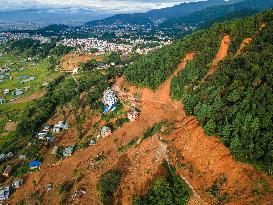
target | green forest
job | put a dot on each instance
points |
(235, 103)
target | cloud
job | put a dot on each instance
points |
(112, 6)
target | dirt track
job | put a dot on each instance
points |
(29, 98)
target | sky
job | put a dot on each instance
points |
(109, 6)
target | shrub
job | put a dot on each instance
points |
(66, 186)
(108, 185)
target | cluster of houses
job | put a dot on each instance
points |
(6, 191)
(102, 46)
(19, 36)
(17, 92)
(45, 133)
(66, 152)
(110, 100)
(27, 79)
(15, 184)
(4, 74)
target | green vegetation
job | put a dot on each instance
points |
(34, 48)
(235, 103)
(166, 190)
(66, 186)
(108, 184)
(219, 13)
(215, 190)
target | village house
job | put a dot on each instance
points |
(6, 91)
(43, 135)
(34, 164)
(133, 114)
(22, 156)
(17, 92)
(92, 142)
(68, 151)
(4, 157)
(4, 193)
(17, 183)
(105, 131)
(28, 79)
(109, 100)
(60, 126)
(46, 128)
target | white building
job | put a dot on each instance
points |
(109, 100)
(105, 131)
(60, 126)
(132, 115)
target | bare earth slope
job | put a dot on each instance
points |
(204, 158)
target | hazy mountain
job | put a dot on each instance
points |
(51, 16)
(166, 13)
(221, 12)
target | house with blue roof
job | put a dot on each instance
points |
(34, 164)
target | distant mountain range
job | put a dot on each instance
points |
(180, 10)
(68, 16)
(221, 13)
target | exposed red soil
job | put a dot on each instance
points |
(73, 60)
(222, 53)
(205, 158)
(243, 45)
(29, 98)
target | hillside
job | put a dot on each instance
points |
(165, 13)
(224, 115)
(188, 126)
(220, 13)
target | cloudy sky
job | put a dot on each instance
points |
(111, 6)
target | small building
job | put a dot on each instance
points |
(133, 114)
(46, 128)
(17, 92)
(22, 156)
(42, 135)
(105, 131)
(7, 171)
(9, 155)
(17, 183)
(34, 164)
(6, 91)
(4, 193)
(75, 71)
(49, 187)
(92, 142)
(68, 151)
(2, 157)
(109, 100)
(60, 126)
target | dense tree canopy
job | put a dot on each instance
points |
(234, 103)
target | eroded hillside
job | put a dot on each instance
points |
(180, 132)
